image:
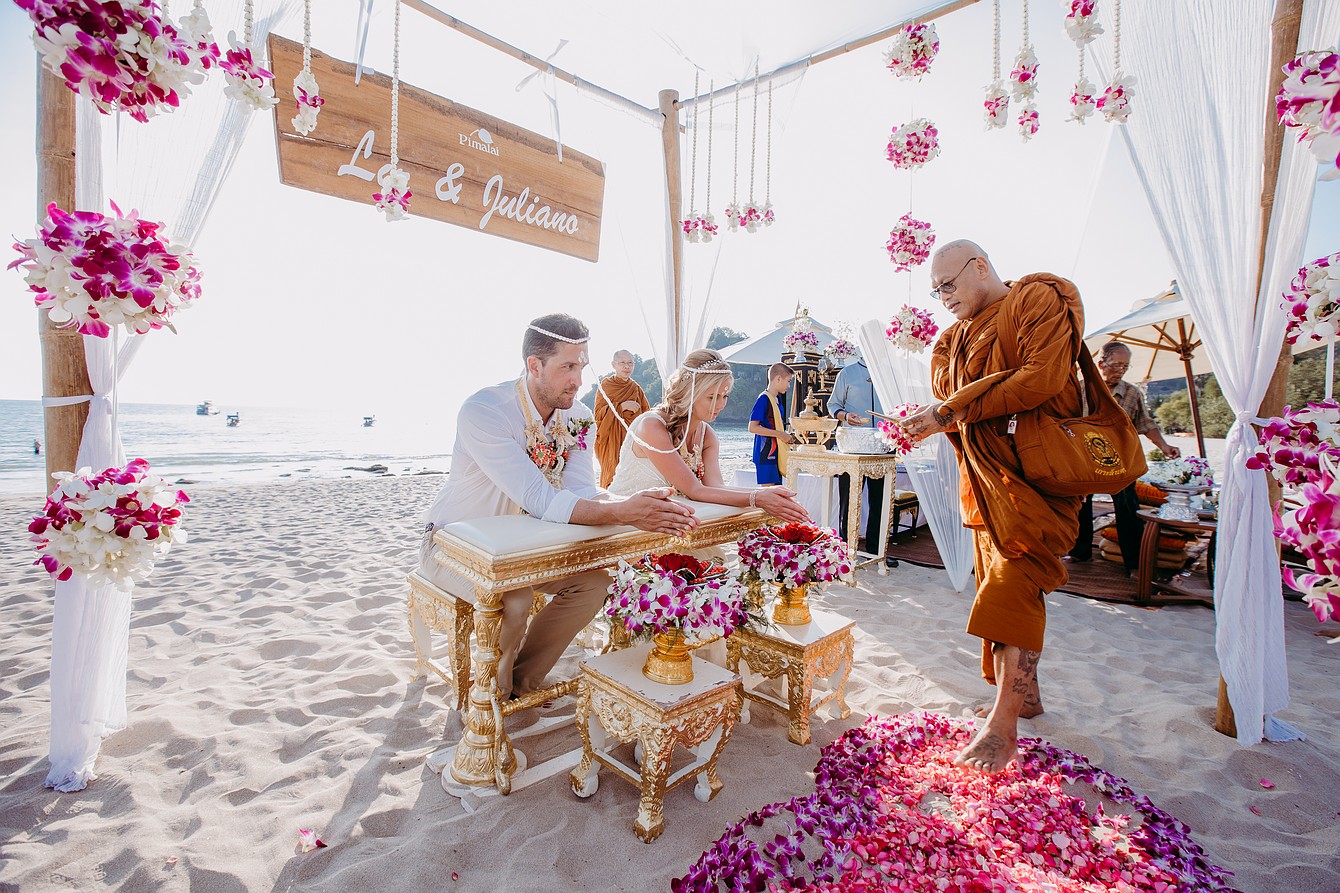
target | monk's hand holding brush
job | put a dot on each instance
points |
(930, 419)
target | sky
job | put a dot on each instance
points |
(312, 300)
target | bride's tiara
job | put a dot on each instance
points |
(558, 337)
(711, 366)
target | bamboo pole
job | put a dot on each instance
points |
(674, 188)
(1284, 29)
(64, 372)
(860, 42)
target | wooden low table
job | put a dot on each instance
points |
(829, 463)
(616, 704)
(1154, 592)
(799, 656)
(504, 553)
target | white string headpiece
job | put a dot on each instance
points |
(558, 337)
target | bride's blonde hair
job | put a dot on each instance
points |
(702, 369)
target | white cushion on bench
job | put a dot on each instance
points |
(513, 534)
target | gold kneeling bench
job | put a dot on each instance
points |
(504, 553)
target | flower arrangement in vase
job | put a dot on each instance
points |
(95, 272)
(1312, 301)
(680, 601)
(794, 556)
(800, 342)
(111, 526)
(1179, 478)
(841, 351)
(911, 329)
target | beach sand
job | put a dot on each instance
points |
(271, 689)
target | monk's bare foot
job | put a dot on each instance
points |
(989, 752)
(1032, 707)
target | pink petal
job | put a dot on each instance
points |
(1267, 783)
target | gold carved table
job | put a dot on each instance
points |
(508, 552)
(829, 463)
(798, 657)
(617, 704)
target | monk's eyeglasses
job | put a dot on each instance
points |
(947, 287)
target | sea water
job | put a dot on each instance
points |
(269, 443)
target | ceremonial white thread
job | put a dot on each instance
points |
(712, 367)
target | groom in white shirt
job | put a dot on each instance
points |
(527, 445)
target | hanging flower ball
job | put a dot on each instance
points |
(734, 213)
(996, 107)
(1028, 122)
(110, 527)
(914, 144)
(910, 243)
(1312, 303)
(1082, 103)
(96, 272)
(912, 51)
(393, 200)
(1309, 99)
(248, 83)
(690, 226)
(1081, 22)
(305, 91)
(911, 329)
(769, 216)
(123, 56)
(1115, 103)
(751, 217)
(707, 227)
(1024, 75)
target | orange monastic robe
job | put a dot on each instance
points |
(609, 432)
(1020, 531)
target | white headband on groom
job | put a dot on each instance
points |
(558, 337)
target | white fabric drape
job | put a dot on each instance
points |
(1195, 139)
(932, 469)
(171, 169)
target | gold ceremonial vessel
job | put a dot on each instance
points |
(813, 431)
(669, 662)
(791, 607)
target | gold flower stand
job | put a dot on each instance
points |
(820, 651)
(617, 704)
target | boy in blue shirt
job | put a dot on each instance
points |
(768, 425)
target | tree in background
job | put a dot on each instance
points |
(1307, 384)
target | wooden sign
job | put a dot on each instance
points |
(465, 167)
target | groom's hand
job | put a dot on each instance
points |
(654, 510)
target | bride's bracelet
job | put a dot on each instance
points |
(753, 498)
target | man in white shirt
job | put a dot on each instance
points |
(527, 445)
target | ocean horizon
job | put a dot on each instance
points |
(268, 444)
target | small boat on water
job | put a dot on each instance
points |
(369, 421)
(206, 407)
(234, 419)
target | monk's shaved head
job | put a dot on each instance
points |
(622, 355)
(961, 249)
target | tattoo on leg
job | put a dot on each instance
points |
(1028, 662)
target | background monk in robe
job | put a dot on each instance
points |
(629, 403)
(1020, 532)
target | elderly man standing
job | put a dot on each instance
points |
(1013, 349)
(619, 402)
(1113, 362)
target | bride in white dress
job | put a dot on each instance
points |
(674, 445)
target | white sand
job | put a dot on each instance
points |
(270, 689)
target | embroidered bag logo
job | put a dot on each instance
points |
(1106, 459)
(479, 139)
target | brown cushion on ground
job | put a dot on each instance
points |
(1168, 540)
(1168, 561)
(1148, 494)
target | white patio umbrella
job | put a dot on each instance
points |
(766, 349)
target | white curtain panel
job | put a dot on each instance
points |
(1195, 136)
(932, 469)
(170, 169)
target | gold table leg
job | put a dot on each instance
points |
(480, 760)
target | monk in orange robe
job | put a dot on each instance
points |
(628, 401)
(1020, 532)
